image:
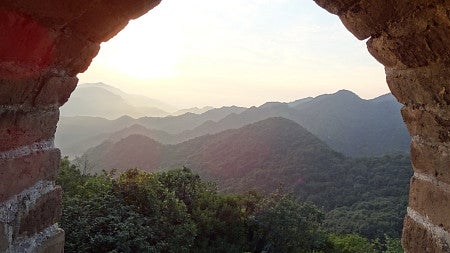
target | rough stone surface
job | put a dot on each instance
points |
(417, 238)
(428, 126)
(54, 244)
(19, 127)
(23, 172)
(431, 201)
(46, 211)
(44, 45)
(4, 242)
(49, 42)
(431, 159)
(427, 87)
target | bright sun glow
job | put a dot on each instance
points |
(209, 52)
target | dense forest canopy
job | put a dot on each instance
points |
(176, 211)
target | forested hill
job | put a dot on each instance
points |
(275, 153)
(261, 155)
(348, 124)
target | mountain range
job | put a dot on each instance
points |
(106, 101)
(278, 153)
(347, 123)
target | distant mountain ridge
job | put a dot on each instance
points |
(278, 153)
(268, 144)
(347, 123)
(106, 101)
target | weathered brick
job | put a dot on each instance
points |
(417, 238)
(46, 212)
(4, 242)
(56, 91)
(54, 244)
(17, 91)
(74, 52)
(40, 91)
(21, 173)
(20, 128)
(336, 6)
(416, 41)
(432, 160)
(430, 201)
(428, 86)
(106, 18)
(428, 126)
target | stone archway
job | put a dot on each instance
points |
(45, 44)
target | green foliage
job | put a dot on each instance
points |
(282, 224)
(176, 211)
(352, 243)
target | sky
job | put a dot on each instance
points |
(234, 52)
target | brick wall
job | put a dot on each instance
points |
(45, 44)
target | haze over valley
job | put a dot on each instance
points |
(344, 154)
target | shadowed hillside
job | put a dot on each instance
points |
(272, 153)
(347, 123)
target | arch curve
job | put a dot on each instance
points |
(45, 44)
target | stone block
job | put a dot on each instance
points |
(416, 238)
(428, 87)
(430, 201)
(336, 7)
(56, 91)
(431, 160)
(4, 241)
(19, 128)
(46, 212)
(416, 41)
(105, 19)
(74, 52)
(23, 172)
(40, 91)
(54, 244)
(430, 127)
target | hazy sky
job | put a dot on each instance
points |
(210, 52)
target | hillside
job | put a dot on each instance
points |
(275, 152)
(101, 100)
(347, 123)
(266, 145)
(75, 135)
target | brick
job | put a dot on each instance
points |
(19, 128)
(54, 244)
(428, 126)
(74, 52)
(46, 212)
(40, 91)
(432, 160)
(17, 91)
(105, 19)
(56, 91)
(336, 6)
(428, 86)
(4, 241)
(417, 238)
(430, 201)
(416, 41)
(21, 173)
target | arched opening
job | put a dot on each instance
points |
(408, 38)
